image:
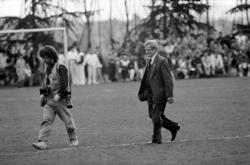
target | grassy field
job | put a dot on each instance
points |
(114, 128)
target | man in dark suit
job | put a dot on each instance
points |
(157, 89)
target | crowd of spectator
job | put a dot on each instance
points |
(200, 56)
(85, 68)
(20, 69)
(93, 67)
(193, 56)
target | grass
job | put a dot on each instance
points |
(110, 115)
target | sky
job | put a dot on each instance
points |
(218, 8)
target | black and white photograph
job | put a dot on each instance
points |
(125, 82)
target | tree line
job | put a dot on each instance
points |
(166, 17)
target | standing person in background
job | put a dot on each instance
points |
(112, 68)
(34, 64)
(197, 63)
(157, 89)
(227, 57)
(100, 67)
(141, 66)
(206, 63)
(235, 62)
(55, 94)
(182, 68)
(105, 69)
(123, 65)
(23, 71)
(72, 57)
(241, 40)
(3, 64)
(91, 59)
(10, 69)
(3, 59)
(217, 64)
(244, 65)
(81, 78)
(131, 69)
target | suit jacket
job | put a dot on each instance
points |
(160, 82)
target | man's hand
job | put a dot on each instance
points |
(170, 100)
(56, 98)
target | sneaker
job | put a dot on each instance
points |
(40, 145)
(74, 143)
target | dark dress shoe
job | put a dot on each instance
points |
(174, 133)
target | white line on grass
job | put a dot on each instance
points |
(123, 145)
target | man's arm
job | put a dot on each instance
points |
(64, 80)
(43, 78)
(167, 78)
(143, 92)
(43, 89)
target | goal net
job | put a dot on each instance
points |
(60, 29)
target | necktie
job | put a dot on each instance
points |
(149, 62)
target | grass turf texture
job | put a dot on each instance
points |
(114, 128)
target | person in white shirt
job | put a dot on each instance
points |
(23, 71)
(3, 59)
(217, 64)
(182, 68)
(243, 65)
(241, 40)
(124, 64)
(81, 78)
(92, 60)
(72, 57)
(3, 64)
(100, 67)
(207, 64)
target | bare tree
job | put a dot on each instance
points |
(247, 14)
(127, 16)
(88, 13)
(111, 38)
(38, 14)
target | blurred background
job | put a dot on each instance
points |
(104, 39)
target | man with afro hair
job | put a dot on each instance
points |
(55, 91)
